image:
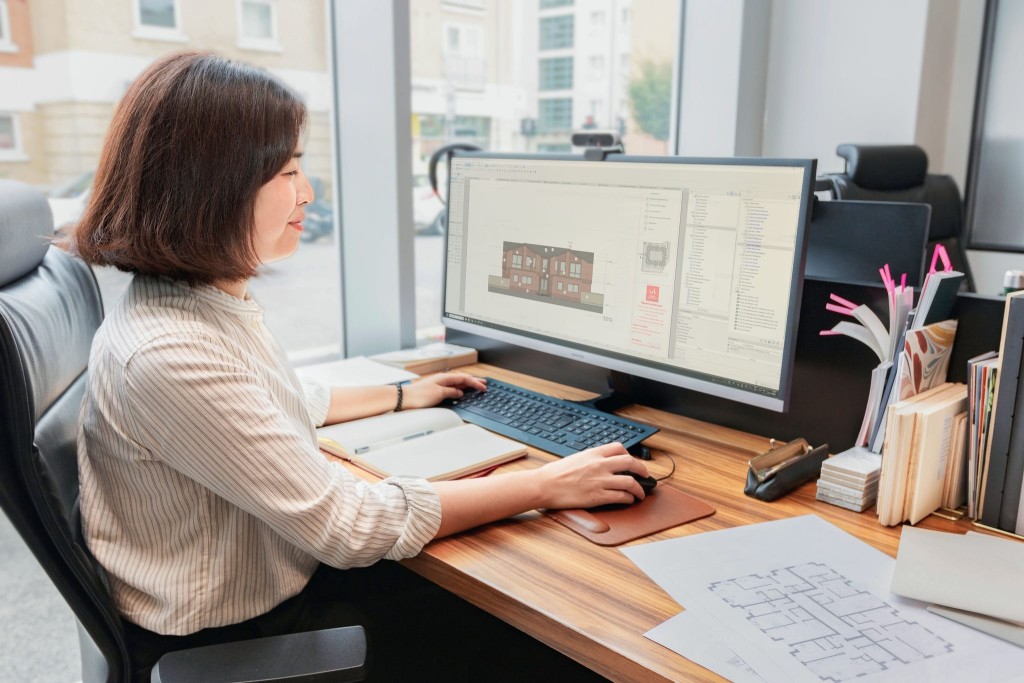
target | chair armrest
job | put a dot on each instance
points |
(337, 654)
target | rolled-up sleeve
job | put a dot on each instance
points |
(318, 400)
(201, 411)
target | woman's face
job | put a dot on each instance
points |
(279, 211)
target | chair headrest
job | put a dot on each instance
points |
(885, 167)
(26, 226)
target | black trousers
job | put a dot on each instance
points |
(415, 631)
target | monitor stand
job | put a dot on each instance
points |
(620, 395)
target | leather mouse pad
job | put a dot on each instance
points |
(663, 508)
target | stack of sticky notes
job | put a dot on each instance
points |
(850, 479)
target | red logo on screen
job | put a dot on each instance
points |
(652, 293)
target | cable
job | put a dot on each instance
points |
(672, 471)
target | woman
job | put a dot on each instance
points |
(203, 493)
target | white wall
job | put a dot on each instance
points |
(842, 72)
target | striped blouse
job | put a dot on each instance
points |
(203, 494)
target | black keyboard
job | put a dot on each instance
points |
(550, 424)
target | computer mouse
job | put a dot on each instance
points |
(646, 483)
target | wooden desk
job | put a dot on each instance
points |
(590, 602)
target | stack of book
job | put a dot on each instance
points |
(850, 479)
(916, 452)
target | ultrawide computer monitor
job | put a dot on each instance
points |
(684, 271)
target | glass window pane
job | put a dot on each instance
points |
(7, 141)
(158, 13)
(996, 202)
(556, 32)
(301, 294)
(555, 73)
(533, 80)
(256, 20)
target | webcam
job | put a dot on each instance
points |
(596, 138)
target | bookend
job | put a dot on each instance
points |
(782, 469)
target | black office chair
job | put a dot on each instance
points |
(899, 173)
(49, 310)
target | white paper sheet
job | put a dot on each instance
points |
(689, 635)
(800, 600)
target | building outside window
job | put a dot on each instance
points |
(257, 25)
(574, 270)
(557, 32)
(517, 261)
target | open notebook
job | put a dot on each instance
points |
(432, 443)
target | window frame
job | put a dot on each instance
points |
(162, 33)
(271, 44)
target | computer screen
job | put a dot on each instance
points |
(684, 271)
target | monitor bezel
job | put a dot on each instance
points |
(606, 360)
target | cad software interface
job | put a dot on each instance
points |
(678, 267)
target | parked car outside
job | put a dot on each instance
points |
(67, 202)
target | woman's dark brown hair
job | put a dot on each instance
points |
(191, 143)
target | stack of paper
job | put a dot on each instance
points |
(973, 579)
(850, 479)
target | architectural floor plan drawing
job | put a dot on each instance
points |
(830, 625)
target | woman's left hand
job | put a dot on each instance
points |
(431, 390)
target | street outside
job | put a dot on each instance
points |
(302, 298)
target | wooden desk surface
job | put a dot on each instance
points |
(591, 602)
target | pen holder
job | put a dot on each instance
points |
(783, 468)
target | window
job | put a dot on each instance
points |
(574, 269)
(158, 20)
(515, 278)
(529, 262)
(527, 280)
(573, 288)
(555, 73)
(10, 139)
(560, 286)
(517, 261)
(561, 267)
(519, 82)
(554, 115)
(6, 40)
(257, 25)
(556, 32)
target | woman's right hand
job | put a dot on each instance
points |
(591, 477)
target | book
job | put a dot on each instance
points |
(430, 443)
(921, 365)
(422, 360)
(358, 371)
(937, 297)
(954, 492)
